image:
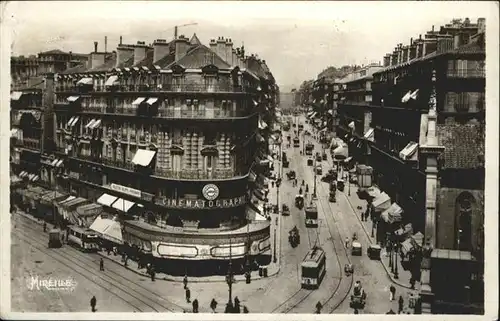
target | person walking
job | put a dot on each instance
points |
(188, 295)
(101, 264)
(153, 273)
(392, 291)
(400, 304)
(346, 242)
(319, 306)
(213, 305)
(195, 306)
(93, 303)
(245, 309)
(236, 305)
(185, 281)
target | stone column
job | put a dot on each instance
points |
(430, 150)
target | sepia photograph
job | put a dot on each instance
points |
(164, 158)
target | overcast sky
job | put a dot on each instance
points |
(297, 39)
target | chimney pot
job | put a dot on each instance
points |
(432, 28)
(411, 41)
(420, 36)
(95, 46)
(121, 40)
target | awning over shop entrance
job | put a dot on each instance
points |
(309, 114)
(409, 152)
(123, 205)
(381, 202)
(15, 95)
(108, 229)
(253, 214)
(106, 199)
(50, 197)
(392, 214)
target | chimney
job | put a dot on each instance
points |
(420, 36)
(213, 45)
(96, 58)
(229, 51)
(481, 25)
(105, 43)
(123, 53)
(181, 47)
(139, 51)
(221, 48)
(387, 60)
(411, 41)
(95, 46)
(234, 60)
(161, 49)
(432, 28)
(121, 40)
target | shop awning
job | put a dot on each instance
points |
(70, 121)
(35, 178)
(96, 124)
(340, 152)
(138, 101)
(309, 114)
(73, 98)
(260, 139)
(68, 199)
(255, 205)
(113, 232)
(91, 123)
(370, 134)
(112, 80)
(392, 214)
(254, 215)
(48, 198)
(406, 230)
(74, 202)
(74, 121)
(258, 88)
(23, 173)
(152, 100)
(418, 238)
(106, 199)
(409, 152)
(348, 159)
(252, 177)
(381, 202)
(313, 114)
(85, 81)
(89, 209)
(15, 95)
(100, 224)
(374, 191)
(59, 162)
(330, 111)
(406, 246)
(255, 102)
(262, 124)
(352, 125)
(123, 205)
(143, 157)
(259, 194)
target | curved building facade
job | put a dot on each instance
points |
(172, 138)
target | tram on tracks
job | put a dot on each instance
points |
(83, 238)
(313, 268)
(296, 142)
(311, 215)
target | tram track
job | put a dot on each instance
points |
(129, 291)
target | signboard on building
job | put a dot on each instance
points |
(183, 203)
(126, 190)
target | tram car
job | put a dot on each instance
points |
(309, 148)
(313, 268)
(291, 175)
(311, 215)
(296, 142)
(301, 126)
(332, 198)
(285, 210)
(318, 157)
(55, 238)
(83, 238)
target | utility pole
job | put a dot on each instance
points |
(315, 173)
(229, 277)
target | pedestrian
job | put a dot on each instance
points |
(236, 301)
(188, 295)
(109, 251)
(319, 306)
(412, 283)
(400, 304)
(245, 309)
(392, 291)
(93, 303)
(346, 242)
(45, 226)
(300, 190)
(213, 305)
(195, 306)
(101, 264)
(356, 311)
(185, 281)
(153, 274)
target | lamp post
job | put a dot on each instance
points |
(348, 183)
(315, 173)
(278, 183)
(395, 263)
(229, 276)
(390, 259)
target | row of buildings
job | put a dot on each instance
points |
(171, 137)
(418, 119)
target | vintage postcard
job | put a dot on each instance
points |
(285, 160)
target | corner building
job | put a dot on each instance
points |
(172, 138)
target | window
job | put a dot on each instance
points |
(466, 68)
(176, 162)
(209, 83)
(464, 102)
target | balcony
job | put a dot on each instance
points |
(28, 143)
(196, 174)
(216, 88)
(174, 113)
(466, 73)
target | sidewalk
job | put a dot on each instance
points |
(355, 202)
(272, 268)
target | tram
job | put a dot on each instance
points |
(309, 148)
(311, 215)
(83, 238)
(313, 268)
(296, 142)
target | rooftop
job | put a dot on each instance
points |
(464, 145)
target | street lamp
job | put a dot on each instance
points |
(278, 183)
(229, 276)
(390, 259)
(315, 172)
(348, 183)
(395, 263)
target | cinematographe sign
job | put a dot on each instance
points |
(182, 203)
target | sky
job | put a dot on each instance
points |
(297, 39)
